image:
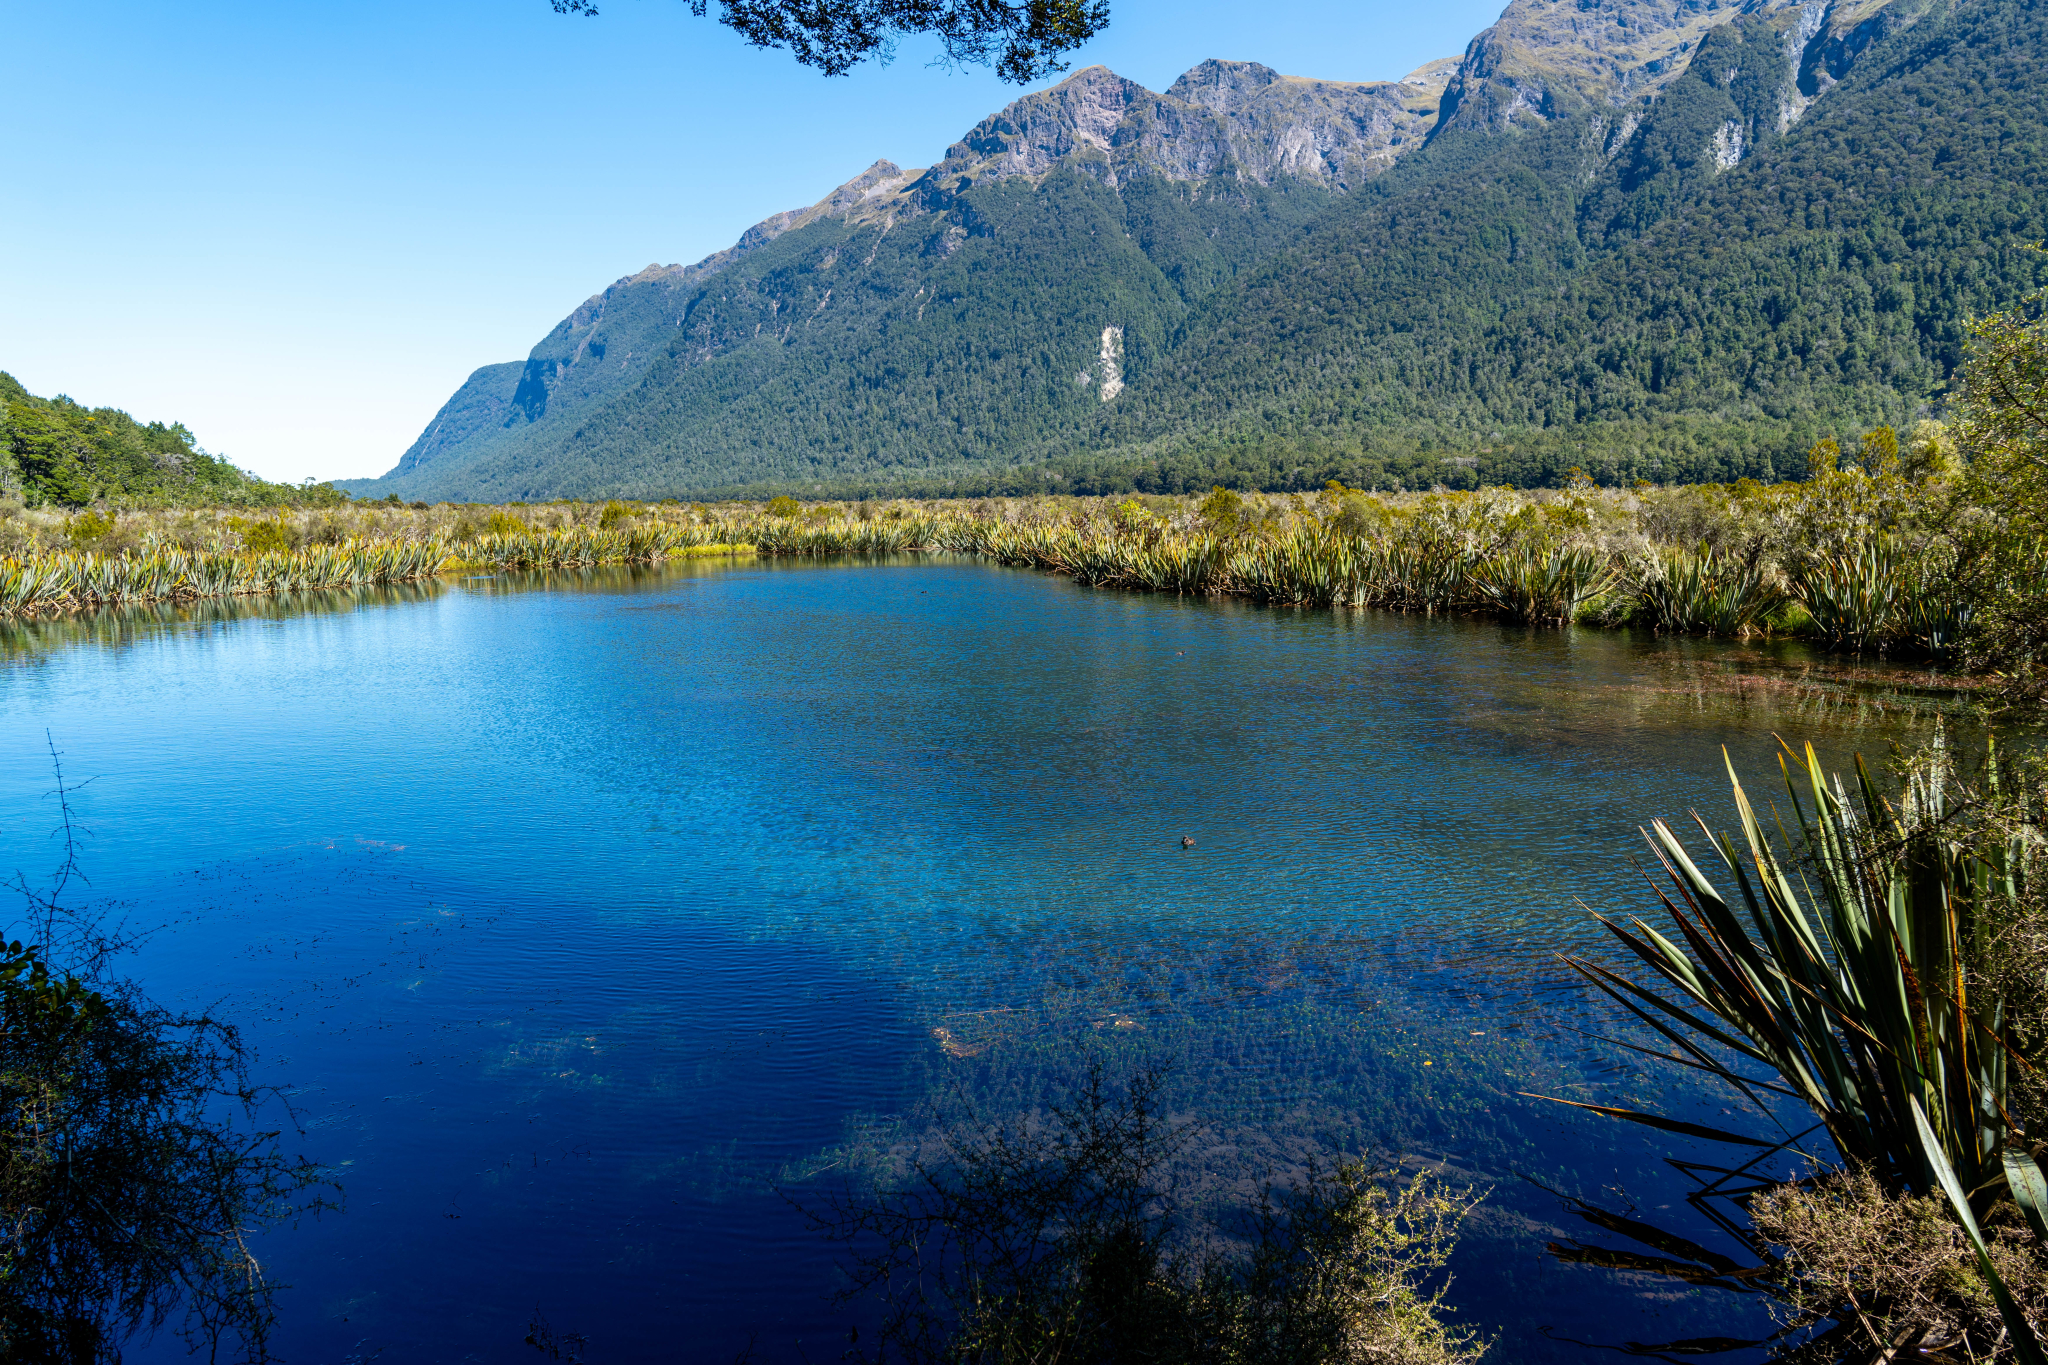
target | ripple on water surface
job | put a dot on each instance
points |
(589, 917)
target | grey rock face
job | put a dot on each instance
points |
(1545, 59)
(1548, 59)
(1339, 133)
(1221, 118)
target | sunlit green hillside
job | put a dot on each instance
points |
(57, 452)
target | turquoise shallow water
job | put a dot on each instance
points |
(592, 923)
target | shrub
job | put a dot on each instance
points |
(1222, 511)
(1929, 452)
(1888, 1266)
(133, 1177)
(1878, 452)
(784, 506)
(87, 529)
(261, 537)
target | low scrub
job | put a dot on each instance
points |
(1905, 560)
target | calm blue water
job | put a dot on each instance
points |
(595, 926)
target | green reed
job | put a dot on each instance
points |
(1523, 569)
(1708, 593)
(1733, 562)
(788, 537)
(46, 582)
(583, 546)
(1543, 586)
(40, 584)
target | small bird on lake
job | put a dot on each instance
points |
(1187, 841)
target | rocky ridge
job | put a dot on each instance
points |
(1549, 59)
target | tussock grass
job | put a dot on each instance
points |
(1851, 971)
(236, 558)
(1875, 563)
(44, 584)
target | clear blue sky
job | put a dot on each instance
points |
(297, 225)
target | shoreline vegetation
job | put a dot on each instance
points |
(1896, 552)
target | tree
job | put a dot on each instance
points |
(1024, 42)
(2003, 409)
(2002, 425)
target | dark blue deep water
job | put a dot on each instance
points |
(595, 926)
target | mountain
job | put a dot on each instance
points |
(1651, 238)
(1232, 128)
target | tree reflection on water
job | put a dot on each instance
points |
(136, 1164)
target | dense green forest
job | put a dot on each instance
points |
(1778, 253)
(57, 452)
(1668, 324)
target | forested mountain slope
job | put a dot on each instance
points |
(853, 281)
(1666, 241)
(57, 452)
(1720, 294)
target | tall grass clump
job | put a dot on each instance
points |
(790, 537)
(1858, 977)
(581, 546)
(44, 583)
(1543, 586)
(1315, 565)
(1707, 592)
(1900, 549)
(1852, 595)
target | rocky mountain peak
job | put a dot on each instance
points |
(1223, 86)
(1088, 112)
(1548, 59)
(1221, 118)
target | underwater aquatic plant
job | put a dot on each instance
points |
(1062, 1240)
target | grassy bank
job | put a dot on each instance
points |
(97, 560)
(1891, 560)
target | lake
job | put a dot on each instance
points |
(599, 925)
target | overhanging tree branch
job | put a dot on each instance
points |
(1024, 42)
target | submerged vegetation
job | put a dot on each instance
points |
(1063, 1239)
